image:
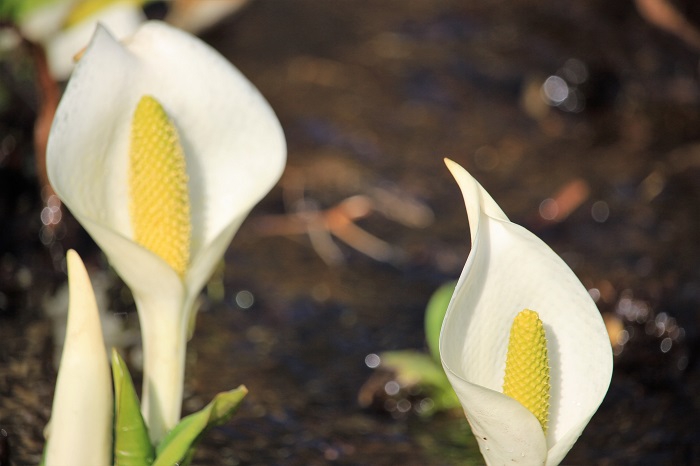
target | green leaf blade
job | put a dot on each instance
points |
(178, 445)
(415, 368)
(435, 314)
(132, 446)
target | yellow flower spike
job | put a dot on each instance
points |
(160, 204)
(527, 366)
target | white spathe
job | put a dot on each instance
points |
(80, 432)
(509, 269)
(235, 152)
(44, 20)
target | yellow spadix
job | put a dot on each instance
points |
(160, 203)
(527, 366)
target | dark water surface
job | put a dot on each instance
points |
(372, 96)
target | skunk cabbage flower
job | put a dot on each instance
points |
(511, 275)
(64, 27)
(80, 431)
(160, 148)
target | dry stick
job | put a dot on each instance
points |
(48, 95)
(664, 15)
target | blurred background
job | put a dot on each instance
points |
(580, 118)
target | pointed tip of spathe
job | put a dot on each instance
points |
(74, 263)
(83, 329)
(460, 174)
(76, 55)
(100, 31)
(464, 179)
(451, 164)
(75, 266)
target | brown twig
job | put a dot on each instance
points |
(664, 15)
(49, 95)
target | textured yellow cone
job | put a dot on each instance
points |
(160, 205)
(527, 366)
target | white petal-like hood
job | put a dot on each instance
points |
(81, 418)
(509, 269)
(234, 145)
(234, 151)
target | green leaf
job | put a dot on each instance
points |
(178, 446)
(435, 314)
(132, 447)
(43, 457)
(17, 10)
(415, 368)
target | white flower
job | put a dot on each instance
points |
(508, 270)
(64, 27)
(233, 149)
(80, 432)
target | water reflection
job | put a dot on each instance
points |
(632, 315)
(372, 361)
(562, 90)
(600, 211)
(244, 299)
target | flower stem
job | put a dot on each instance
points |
(164, 336)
